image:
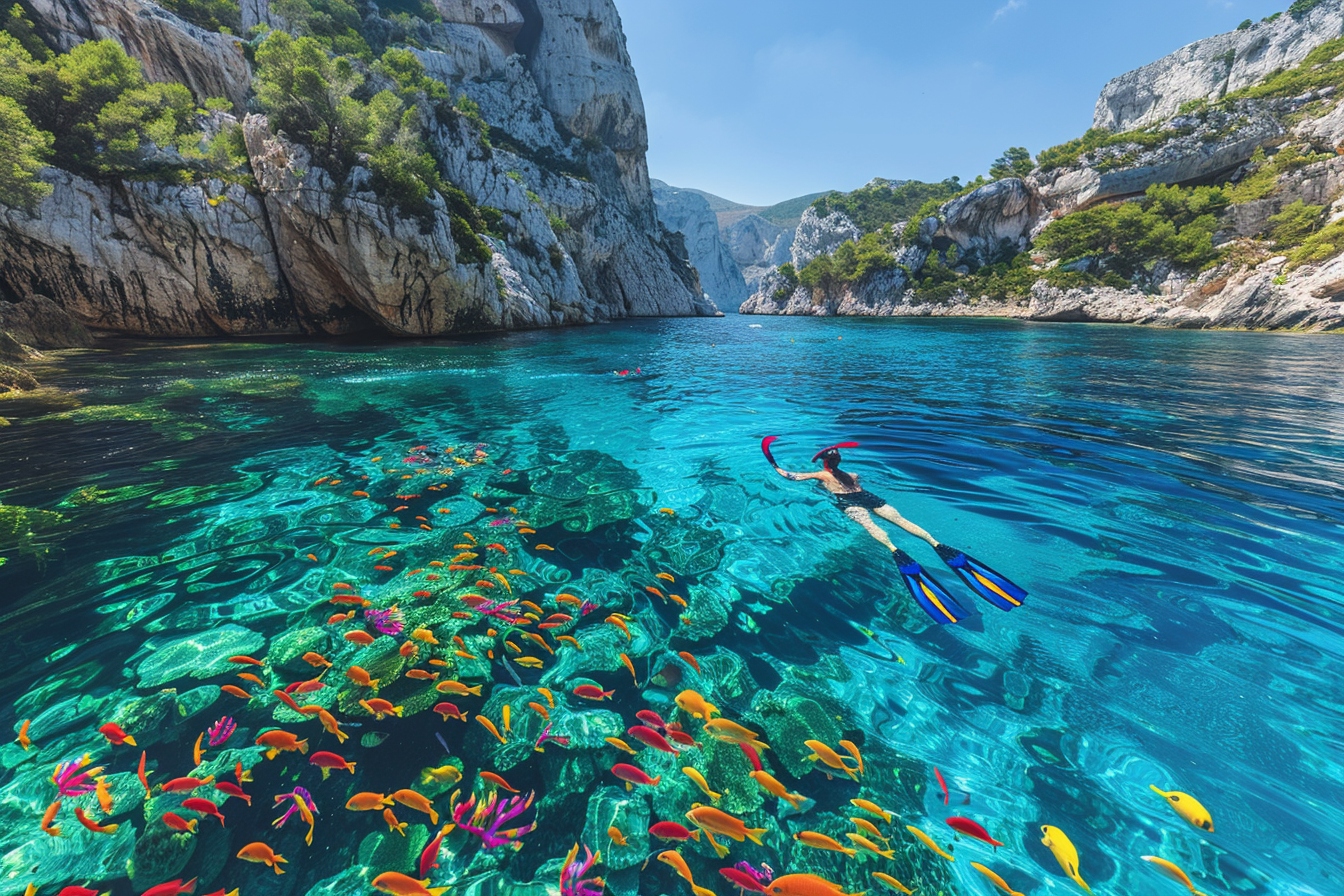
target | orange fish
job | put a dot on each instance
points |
(716, 821)
(380, 709)
(329, 723)
(418, 802)
(22, 740)
(421, 674)
(287, 700)
(178, 823)
(498, 781)
(94, 826)
(569, 639)
(620, 624)
(353, 599)
(457, 688)
(616, 836)
(409, 650)
(361, 677)
(115, 736)
(339, 618)
(805, 885)
(392, 824)
(48, 817)
(397, 884)
(625, 660)
(690, 660)
(248, 676)
(539, 710)
(197, 754)
(181, 785)
(852, 749)
(317, 660)
(142, 774)
(367, 802)
(550, 698)
(104, 795)
(360, 637)
(246, 661)
(263, 855)
(277, 741)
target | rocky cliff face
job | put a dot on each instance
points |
(299, 252)
(757, 246)
(689, 214)
(1210, 68)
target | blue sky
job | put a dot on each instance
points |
(763, 100)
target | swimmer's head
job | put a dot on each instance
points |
(830, 458)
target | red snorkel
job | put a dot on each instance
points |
(834, 448)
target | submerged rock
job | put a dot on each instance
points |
(203, 654)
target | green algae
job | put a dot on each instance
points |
(94, 496)
(22, 530)
(163, 421)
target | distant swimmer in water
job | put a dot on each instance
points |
(859, 505)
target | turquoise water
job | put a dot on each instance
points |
(1171, 500)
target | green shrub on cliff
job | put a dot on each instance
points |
(1015, 162)
(23, 151)
(1069, 154)
(213, 15)
(333, 23)
(1168, 223)
(882, 203)
(1319, 69)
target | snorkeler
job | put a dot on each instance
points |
(859, 505)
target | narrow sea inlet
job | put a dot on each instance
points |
(1171, 501)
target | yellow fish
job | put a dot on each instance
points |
(995, 879)
(444, 774)
(1173, 871)
(891, 882)
(700, 782)
(620, 745)
(530, 662)
(550, 698)
(696, 705)
(1187, 807)
(424, 634)
(616, 836)
(1066, 854)
(928, 841)
(666, 577)
(874, 808)
(770, 785)
(863, 842)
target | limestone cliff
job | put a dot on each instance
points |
(558, 149)
(1210, 68)
(689, 214)
(756, 246)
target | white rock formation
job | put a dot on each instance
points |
(757, 246)
(1208, 69)
(688, 213)
(817, 235)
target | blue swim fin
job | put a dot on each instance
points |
(933, 598)
(993, 586)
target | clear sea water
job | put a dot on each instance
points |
(1172, 501)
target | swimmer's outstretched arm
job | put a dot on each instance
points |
(796, 477)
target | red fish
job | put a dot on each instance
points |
(592, 692)
(670, 830)
(752, 756)
(429, 859)
(942, 784)
(971, 829)
(115, 736)
(328, 761)
(288, 701)
(178, 823)
(651, 718)
(142, 774)
(677, 736)
(651, 738)
(632, 776)
(232, 790)
(742, 880)
(172, 888)
(178, 785)
(449, 711)
(204, 807)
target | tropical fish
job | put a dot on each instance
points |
(616, 837)
(699, 779)
(449, 711)
(358, 675)
(620, 745)
(203, 807)
(115, 736)
(770, 785)
(1173, 871)
(176, 822)
(1187, 807)
(104, 795)
(181, 785)
(22, 740)
(277, 741)
(92, 825)
(444, 774)
(625, 660)
(690, 660)
(418, 802)
(546, 737)
(821, 841)
(367, 802)
(457, 688)
(714, 821)
(1066, 854)
(632, 776)
(928, 841)
(867, 827)
(852, 749)
(670, 830)
(404, 885)
(253, 679)
(864, 843)
(805, 885)
(828, 757)
(229, 789)
(142, 774)
(393, 824)
(235, 691)
(673, 859)
(874, 808)
(328, 761)
(529, 662)
(752, 756)
(380, 708)
(301, 801)
(263, 855)
(942, 784)
(733, 733)
(490, 726)
(360, 637)
(422, 675)
(288, 701)
(620, 624)
(892, 883)
(693, 703)
(246, 661)
(971, 829)
(429, 858)
(995, 879)
(742, 880)
(50, 816)
(651, 738)
(172, 888)
(592, 692)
